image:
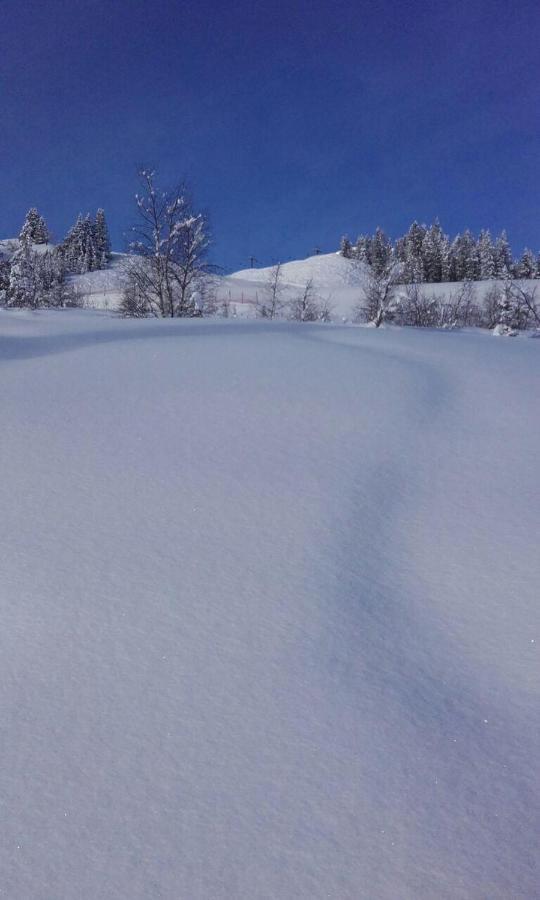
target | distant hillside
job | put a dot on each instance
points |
(328, 270)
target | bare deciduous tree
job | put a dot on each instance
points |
(521, 305)
(306, 307)
(418, 308)
(459, 310)
(378, 303)
(170, 248)
(271, 303)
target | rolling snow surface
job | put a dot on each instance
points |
(270, 618)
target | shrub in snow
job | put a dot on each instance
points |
(501, 330)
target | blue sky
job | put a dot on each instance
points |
(294, 121)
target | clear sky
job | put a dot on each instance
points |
(295, 121)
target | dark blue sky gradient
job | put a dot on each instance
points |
(295, 121)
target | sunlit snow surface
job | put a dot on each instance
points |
(270, 611)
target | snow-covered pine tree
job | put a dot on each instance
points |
(486, 255)
(445, 258)
(410, 253)
(465, 261)
(503, 257)
(526, 266)
(434, 252)
(79, 248)
(101, 239)
(90, 257)
(5, 268)
(34, 229)
(472, 259)
(72, 247)
(345, 247)
(381, 251)
(362, 249)
(24, 287)
(38, 279)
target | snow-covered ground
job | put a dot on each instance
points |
(103, 288)
(270, 619)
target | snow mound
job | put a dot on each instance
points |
(328, 270)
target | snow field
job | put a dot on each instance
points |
(269, 597)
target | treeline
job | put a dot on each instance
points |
(37, 272)
(427, 255)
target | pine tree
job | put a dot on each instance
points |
(486, 255)
(471, 258)
(526, 267)
(79, 248)
(5, 270)
(101, 239)
(381, 251)
(415, 238)
(445, 258)
(362, 249)
(410, 253)
(38, 279)
(34, 229)
(433, 250)
(71, 247)
(23, 288)
(503, 256)
(465, 258)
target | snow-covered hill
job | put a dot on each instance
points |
(336, 280)
(327, 270)
(103, 288)
(269, 603)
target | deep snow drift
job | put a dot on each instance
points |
(270, 620)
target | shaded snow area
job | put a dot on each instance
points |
(270, 618)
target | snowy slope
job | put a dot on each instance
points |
(270, 621)
(103, 288)
(335, 279)
(328, 270)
